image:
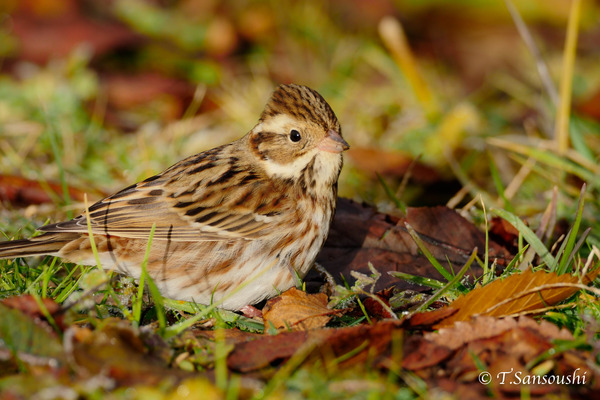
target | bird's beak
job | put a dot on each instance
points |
(333, 143)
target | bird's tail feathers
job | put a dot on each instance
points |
(32, 247)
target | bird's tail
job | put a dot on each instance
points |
(47, 244)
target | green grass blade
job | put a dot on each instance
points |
(137, 304)
(451, 283)
(516, 259)
(567, 252)
(427, 253)
(392, 196)
(419, 280)
(499, 186)
(528, 235)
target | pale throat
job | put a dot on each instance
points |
(292, 170)
(325, 168)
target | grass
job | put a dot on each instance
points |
(386, 95)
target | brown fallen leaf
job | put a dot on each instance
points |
(256, 354)
(503, 232)
(21, 191)
(44, 38)
(375, 309)
(297, 310)
(357, 344)
(359, 235)
(484, 327)
(425, 320)
(362, 344)
(452, 358)
(514, 295)
(29, 306)
(127, 92)
(56, 34)
(420, 353)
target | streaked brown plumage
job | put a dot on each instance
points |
(234, 225)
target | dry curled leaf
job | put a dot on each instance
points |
(297, 310)
(515, 294)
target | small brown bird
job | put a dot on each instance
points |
(233, 225)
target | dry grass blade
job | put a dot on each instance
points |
(535, 52)
(392, 35)
(566, 84)
(515, 294)
(543, 152)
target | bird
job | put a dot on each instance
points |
(233, 225)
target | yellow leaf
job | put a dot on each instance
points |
(515, 294)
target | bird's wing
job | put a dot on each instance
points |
(205, 197)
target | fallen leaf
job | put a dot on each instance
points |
(297, 310)
(452, 358)
(355, 344)
(116, 348)
(43, 37)
(33, 341)
(375, 309)
(511, 295)
(421, 353)
(425, 320)
(20, 191)
(362, 344)
(29, 306)
(359, 235)
(484, 327)
(147, 91)
(270, 349)
(503, 232)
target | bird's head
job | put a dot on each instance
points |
(299, 137)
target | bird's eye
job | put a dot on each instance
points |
(295, 136)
